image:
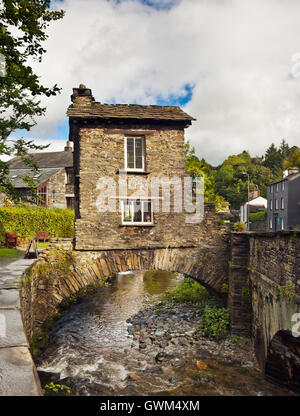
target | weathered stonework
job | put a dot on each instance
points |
(98, 132)
(270, 263)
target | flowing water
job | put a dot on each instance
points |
(90, 349)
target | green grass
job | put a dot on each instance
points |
(6, 253)
(41, 244)
(188, 292)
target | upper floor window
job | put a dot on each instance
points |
(276, 204)
(135, 211)
(271, 189)
(135, 153)
(282, 203)
(282, 186)
(271, 204)
(277, 187)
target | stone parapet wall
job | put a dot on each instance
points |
(60, 242)
(266, 267)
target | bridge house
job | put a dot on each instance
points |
(143, 141)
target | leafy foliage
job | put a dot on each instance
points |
(258, 216)
(23, 25)
(27, 220)
(293, 160)
(188, 292)
(215, 322)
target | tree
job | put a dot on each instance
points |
(293, 160)
(23, 25)
(274, 157)
(200, 168)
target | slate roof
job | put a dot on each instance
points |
(129, 111)
(45, 160)
(15, 175)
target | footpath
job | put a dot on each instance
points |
(18, 376)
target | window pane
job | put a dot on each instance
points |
(127, 207)
(147, 211)
(137, 211)
(138, 153)
(130, 153)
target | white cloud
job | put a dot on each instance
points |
(239, 55)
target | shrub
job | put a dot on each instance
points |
(258, 216)
(188, 292)
(215, 322)
(27, 220)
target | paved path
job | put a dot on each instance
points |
(18, 376)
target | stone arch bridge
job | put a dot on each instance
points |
(261, 269)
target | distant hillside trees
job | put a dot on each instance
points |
(229, 181)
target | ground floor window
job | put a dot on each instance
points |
(42, 193)
(135, 211)
(70, 202)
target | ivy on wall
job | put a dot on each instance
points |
(26, 221)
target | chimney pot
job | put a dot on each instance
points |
(82, 96)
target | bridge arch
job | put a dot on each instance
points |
(283, 359)
(56, 277)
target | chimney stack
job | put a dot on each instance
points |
(68, 147)
(82, 96)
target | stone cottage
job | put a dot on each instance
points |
(134, 141)
(55, 178)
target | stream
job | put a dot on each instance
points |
(115, 342)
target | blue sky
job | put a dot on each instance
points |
(231, 64)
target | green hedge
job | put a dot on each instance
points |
(258, 216)
(28, 220)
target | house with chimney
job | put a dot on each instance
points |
(55, 178)
(115, 142)
(284, 202)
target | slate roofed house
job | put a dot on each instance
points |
(284, 202)
(133, 142)
(55, 177)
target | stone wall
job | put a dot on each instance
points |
(99, 152)
(266, 267)
(57, 183)
(274, 266)
(239, 298)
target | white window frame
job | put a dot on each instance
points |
(277, 187)
(143, 154)
(282, 186)
(276, 204)
(271, 223)
(282, 203)
(282, 223)
(271, 204)
(136, 223)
